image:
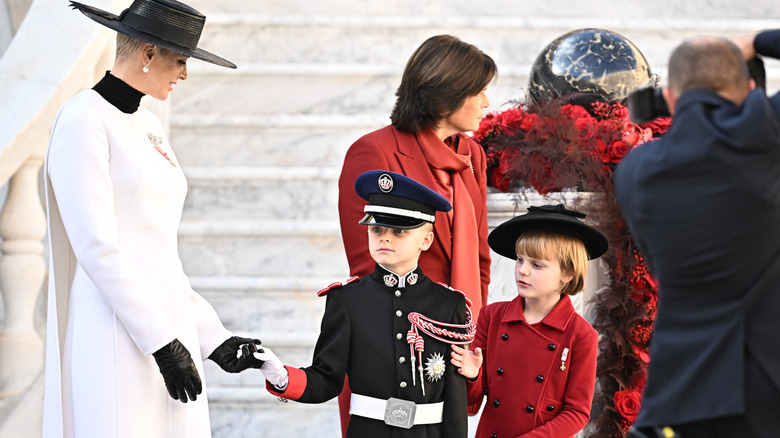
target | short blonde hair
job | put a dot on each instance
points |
(568, 250)
(127, 45)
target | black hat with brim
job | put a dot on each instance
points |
(555, 218)
(166, 23)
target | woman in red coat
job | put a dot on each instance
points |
(441, 97)
(539, 369)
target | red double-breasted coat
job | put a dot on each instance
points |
(538, 378)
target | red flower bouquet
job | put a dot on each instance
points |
(559, 147)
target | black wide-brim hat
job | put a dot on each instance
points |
(555, 218)
(166, 23)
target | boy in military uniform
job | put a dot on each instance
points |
(389, 331)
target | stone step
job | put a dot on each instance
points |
(259, 193)
(213, 139)
(253, 412)
(509, 38)
(606, 9)
(259, 248)
(314, 89)
(279, 305)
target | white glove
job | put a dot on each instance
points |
(273, 369)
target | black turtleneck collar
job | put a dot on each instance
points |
(116, 91)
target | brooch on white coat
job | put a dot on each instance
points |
(564, 356)
(434, 367)
(156, 142)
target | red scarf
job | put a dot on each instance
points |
(447, 166)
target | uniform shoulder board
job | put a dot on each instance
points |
(468, 301)
(335, 285)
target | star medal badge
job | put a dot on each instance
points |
(434, 367)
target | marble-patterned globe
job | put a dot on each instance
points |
(588, 65)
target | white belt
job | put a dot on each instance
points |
(396, 412)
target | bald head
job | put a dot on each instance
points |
(711, 63)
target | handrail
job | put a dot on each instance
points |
(55, 53)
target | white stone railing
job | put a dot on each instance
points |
(54, 53)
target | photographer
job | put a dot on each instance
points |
(703, 206)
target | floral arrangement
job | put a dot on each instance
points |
(563, 147)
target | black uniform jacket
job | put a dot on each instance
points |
(363, 334)
(703, 205)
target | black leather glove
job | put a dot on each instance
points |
(178, 370)
(226, 355)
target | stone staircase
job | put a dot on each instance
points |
(262, 147)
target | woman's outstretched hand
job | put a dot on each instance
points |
(468, 362)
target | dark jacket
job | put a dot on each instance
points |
(363, 335)
(703, 205)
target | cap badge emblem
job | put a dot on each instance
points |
(385, 183)
(390, 280)
(434, 367)
(412, 279)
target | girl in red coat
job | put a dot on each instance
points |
(534, 357)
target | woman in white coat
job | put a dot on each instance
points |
(126, 333)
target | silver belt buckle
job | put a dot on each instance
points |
(400, 413)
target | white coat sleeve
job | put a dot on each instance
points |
(78, 168)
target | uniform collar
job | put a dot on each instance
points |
(557, 319)
(396, 281)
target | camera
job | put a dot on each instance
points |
(646, 104)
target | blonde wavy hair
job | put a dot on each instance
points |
(568, 251)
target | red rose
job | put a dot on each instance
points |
(615, 152)
(659, 125)
(486, 127)
(627, 403)
(511, 121)
(586, 127)
(574, 111)
(529, 121)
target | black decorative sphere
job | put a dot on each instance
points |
(588, 65)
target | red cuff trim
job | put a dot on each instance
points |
(295, 385)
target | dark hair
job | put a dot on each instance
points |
(714, 64)
(438, 78)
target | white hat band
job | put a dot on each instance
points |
(399, 212)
